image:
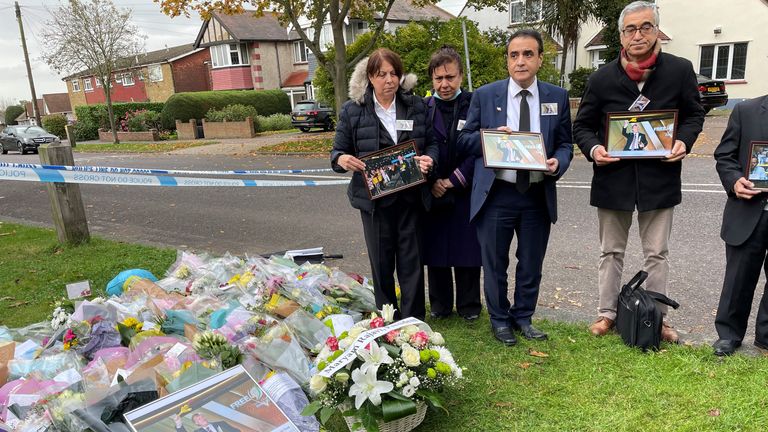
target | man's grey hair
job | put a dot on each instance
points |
(636, 6)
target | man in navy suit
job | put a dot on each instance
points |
(523, 203)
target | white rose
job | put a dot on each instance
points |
(317, 384)
(414, 382)
(410, 330)
(388, 313)
(354, 332)
(410, 356)
(345, 343)
(408, 391)
(437, 339)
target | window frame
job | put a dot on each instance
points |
(75, 85)
(221, 55)
(299, 52)
(525, 6)
(152, 76)
(713, 66)
(126, 78)
(87, 85)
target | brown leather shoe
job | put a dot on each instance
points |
(602, 326)
(669, 334)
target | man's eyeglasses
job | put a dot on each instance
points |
(645, 30)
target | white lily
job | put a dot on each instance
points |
(367, 387)
(374, 356)
(388, 313)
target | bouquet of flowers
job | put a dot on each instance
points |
(394, 369)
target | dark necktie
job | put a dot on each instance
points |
(524, 177)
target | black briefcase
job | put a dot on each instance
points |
(638, 320)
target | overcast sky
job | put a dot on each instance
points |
(161, 31)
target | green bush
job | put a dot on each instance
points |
(86, 131)
(141, 121)
(234, 112)
(56, 124)
(12, 112)
(195, 105)
(275, 122)
(578, 79)
(98, 115)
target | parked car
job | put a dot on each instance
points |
(308, 114)
(24, 138)
(711, 92)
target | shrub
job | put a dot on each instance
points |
(578, 79)
(12, 112)
(55, 124)
(195, 105)
(275, 122)
(141, 120)
(98, 115)
(234, 112)
(86, 131)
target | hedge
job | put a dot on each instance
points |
(55, 124)
(96, 115)
(195, 105)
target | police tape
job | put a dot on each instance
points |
(121, 170)
(99, 178)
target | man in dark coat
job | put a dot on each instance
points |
(744, 229)
(507, 203)
(650, 185)
(635, 139)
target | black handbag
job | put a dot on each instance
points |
(638, 320)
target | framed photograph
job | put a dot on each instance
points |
(757, 170)
(646, 134)
(392, 169)
(515, 150)
(231, 401)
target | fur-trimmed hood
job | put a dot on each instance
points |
(358, 82)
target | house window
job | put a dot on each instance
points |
(299, 52)
(98, 82)
(87, 85)
(725, 62)
(75, 85)
(155, 73)
(127, 79)
(230, 55)
(525, 11)
(598, 57)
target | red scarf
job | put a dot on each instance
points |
(640, 71)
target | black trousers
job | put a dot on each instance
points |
(742, 272)
(393, 241)
(467, 290)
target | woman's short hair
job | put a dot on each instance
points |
(445, 55)
(381, 55)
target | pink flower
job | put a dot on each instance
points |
(69, 335)
(391, 336)
(377, 322)
(419, 340)
(332, 343)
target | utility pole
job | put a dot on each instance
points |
(29, 68)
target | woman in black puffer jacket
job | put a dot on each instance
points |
(380, 114)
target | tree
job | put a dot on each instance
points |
(92, 35)
(607, 12)
(565, 18)
(548, 71)
(12, 112)
(317, 14)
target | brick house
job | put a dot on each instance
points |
(50, 104)
(150, 77)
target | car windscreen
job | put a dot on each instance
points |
(305, 107)
(35, 130)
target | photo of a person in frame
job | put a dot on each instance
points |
(756, 172)
(636, 140)
(204, 425)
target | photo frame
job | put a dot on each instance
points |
(513, 150)
(756, 169)
(392, 169)
(230, 401)
(638, 135)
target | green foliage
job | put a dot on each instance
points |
(12, 112)
(608, 11)
(236, 112)
(275, 122)
(578, 80)
(55, 124)
(323, 82)
(141, 121)
(86, 131)
(195, 105)
(549, 71)
(98, 115)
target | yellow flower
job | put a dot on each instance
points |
(185, 409)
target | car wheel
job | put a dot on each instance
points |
(20, 147)
(304, 129)
(36, 151)
(329, 124)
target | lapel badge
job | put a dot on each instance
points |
(498, 109)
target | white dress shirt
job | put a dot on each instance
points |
(388, 116)
(513, 122)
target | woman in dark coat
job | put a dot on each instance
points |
(382, 114)
(450, 241)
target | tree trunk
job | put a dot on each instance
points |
(110, 113)
(340, 67)
(566, 42)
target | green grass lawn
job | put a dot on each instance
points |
(573, 382)
(139, 147)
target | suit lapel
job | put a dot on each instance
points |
(544, 97)
(500, 104)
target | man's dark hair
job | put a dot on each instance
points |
(531, 33)
(445, 55)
